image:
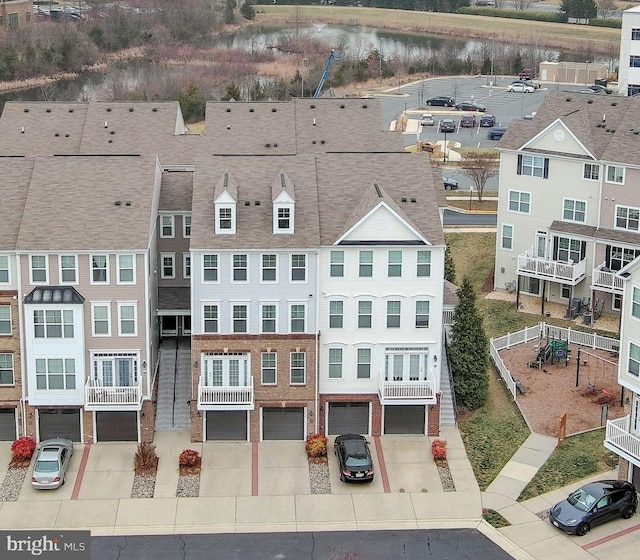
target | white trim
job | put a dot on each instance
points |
(202, 268)
(119, 269)
(306, 316)
(171, 256)
(306, 268)
(519, 202)
(262, 304)
(575, 201)
(95, 304)
(91, 280)
(184, 226)
(203, 318)
(606, 174)
(8, 269)
(31, 269)
(75, 269)
(172, 219)
(262, 268)
(134, 305)
(186, 256)
(246, 268)
(8, 306)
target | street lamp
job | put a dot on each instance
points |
(445, 147)
(586, 77)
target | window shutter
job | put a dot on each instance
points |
(555, 248)
(546, 168)
(519, 164)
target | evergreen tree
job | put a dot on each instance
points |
(232, 92)
(247, 11)
(229, 16)
(449, 266)
(468, 356)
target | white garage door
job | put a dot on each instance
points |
(283, 423)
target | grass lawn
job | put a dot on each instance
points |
(476, 205)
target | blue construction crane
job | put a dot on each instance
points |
(333, 56)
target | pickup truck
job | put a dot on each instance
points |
(525, 74)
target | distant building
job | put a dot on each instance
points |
(629, 69)
(15, 13)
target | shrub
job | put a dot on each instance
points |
(189, 458)
(22, 449)
(145, 459)
(439, 449)
(316, 445)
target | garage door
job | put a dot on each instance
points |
(7, 424)
(227, 425)
(348, 418)
(117, 426)
(408, 419)
(59, 422)
(283, 423)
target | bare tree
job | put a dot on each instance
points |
(522, 5)
(479, 167)
(606, 8)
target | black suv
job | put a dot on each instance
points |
(442, 101)
(487, 120)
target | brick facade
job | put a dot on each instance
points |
(147, 421)
(623, 469)
(281, 394)
(10, 394)
(433, 418)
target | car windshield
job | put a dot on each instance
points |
(581, 500)
(46, 466)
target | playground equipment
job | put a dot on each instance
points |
(553, 351)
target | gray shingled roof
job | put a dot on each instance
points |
(15, 176)
(174, 297)
(72, 204)
(607, 125)
(176, 191)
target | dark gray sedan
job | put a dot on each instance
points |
(354, 458)
(52, 461)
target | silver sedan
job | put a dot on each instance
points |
(52, 462)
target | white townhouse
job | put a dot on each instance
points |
(568, 209)
(629, 66)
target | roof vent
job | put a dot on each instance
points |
(22, 130)
(106, 125)
(273, 109)
(251, 109)
(267, 145)
(118, 203)
(247, 203)
(155, 109)
(404, 199)
(614, 103)
(228, 127)
(71, 110)
(228, 109)
(590, 101)
(341, 105)
(26, 109)
(108, 109)
(275, 144)
(127, 203)
(257, 203)
(131, 109)
(110, 141)
(412, 199)
(48, 110)
(312, 106)
(66, 136)
(313, 141)
(364, 106)
(112, 132)
(321, 141)
(57, 134)
(568, 99)
(377, 187)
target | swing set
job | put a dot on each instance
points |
(600, 394)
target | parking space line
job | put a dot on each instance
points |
(382, 465)
(81, 469)
(608, 538)
(254, 468)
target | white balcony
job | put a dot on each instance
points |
(99, 397)
(408, 392)
(606, 280)
(545, 269)
(621, 441)
(225, 397)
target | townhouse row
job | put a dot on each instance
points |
(301, 266)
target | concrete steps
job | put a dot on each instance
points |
(174, 386)
(447, 412)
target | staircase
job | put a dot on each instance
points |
(174, 385)
(447, 412)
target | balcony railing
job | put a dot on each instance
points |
(408, 392)
(621, 441)
(606, 280)
(99, 397)
(546, 269)
(225, 397)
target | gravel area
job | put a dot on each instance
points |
(445, 476)
(143, 486)
(319, 478)
(12, 484)
(188, 486)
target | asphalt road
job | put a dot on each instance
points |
(451, 218)
(436, 544)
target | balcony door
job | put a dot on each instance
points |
(406, 364)
(226, 370)
(115, 371)
(541, 244)
(635, 415)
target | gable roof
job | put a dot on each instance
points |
(15, 176)
(176, 191)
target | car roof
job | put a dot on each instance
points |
(347, 437)
(49, 454)
(56, 441)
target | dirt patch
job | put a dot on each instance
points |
(551, 389)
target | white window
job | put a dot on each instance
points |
(5, 276)
(406, 364)
(336, 265)
(621, 256)
(298, 368)
(634, 360)
(6, 369)
(506, 239)
(269, 268)
(240, 268)
(126, 269)
(268, 313)
(423, 268)
(574, 210)
(269, 368)
(186, 226)
(226, 370)
(298, 268)
(394, 266)
(422, 314)
(284, 221)
(101, 319)
(209, 268)
(615, 174)
(393, 314)
(127, 319)
(635, 303)
(186, 265)
(240, 318)
(533, 166)
(115, 369)
(168, 265)
(365, 310)
(5, 320)
(297, 313)
(225, 219)
(99, 269)
(365, 269)
(336, 314)
(364, 363)
(210, 318)
(520, 202)
(569, 249)
(53, 323)
(166, 226)
(39, 269)
(55, 373)
(68, 269)
(627, 218)
(335, 363)
(591, 171)
(616, 302)
(635, 34)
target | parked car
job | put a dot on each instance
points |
(354, 458)
(449, 184)
(591, 91)
(593, 504)
(52, 461)
(447, 125)
(441, 100)
(468, 106)
(487, 120)
(490, 3)
(427, 120)
(601, 89)
(468, 121)
(525, 74)
(529, 83)
(520, 88)
(496, 133)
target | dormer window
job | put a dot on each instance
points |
(284, 217)
(283, 204)
(225, 205)
(225, 219)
